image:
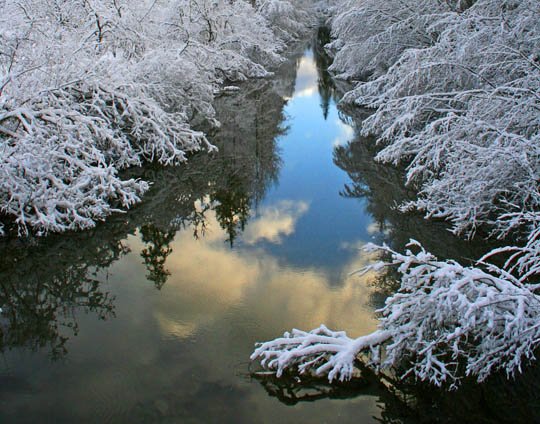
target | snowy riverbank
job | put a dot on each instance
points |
(90, 88)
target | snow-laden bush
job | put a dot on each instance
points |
(461, 111)
(445, 321)
(90, 87)
(464, 113)
(289, 18)
(371, 35)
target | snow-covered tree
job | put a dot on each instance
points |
(464, 114)
(446, 321)
(467, 101)
(90, 87)
(370, 36)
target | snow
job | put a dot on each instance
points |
(462, 110)
(451, 321)
(90, 88)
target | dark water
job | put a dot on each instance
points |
(152, 316)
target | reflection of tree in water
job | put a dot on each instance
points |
(42, 288)
(494, 401)
(293, 390)
(382, 187)
(156, 251)
(248, 161)
(325, 82)
(45, 283)
(232, 209)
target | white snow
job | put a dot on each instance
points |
(449, 320)
(88, 88)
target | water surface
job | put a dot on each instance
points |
(154, 318)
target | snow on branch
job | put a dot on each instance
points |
(446, 321)
(460, 110)
(90, 88)
(321, 350)
(523, 261)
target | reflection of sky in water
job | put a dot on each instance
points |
(183, 351)
(275, 222)
(309, 175)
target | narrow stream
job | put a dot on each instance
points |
(152, 316)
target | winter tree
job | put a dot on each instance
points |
(91, 87)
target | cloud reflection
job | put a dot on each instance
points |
(208, 280)
(306, 78)
(275, 221)
(345, 134)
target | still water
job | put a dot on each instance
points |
(152, 316)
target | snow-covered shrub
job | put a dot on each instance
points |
(445, 321)
(292, 21)
(464, 115)
(90, 87)
(371, 35)
(463, 112)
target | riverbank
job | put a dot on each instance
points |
(89, 89)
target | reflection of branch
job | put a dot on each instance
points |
(406, 401)
(291, 391)
(233, 206)
(393, 397)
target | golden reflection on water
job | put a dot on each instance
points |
(208, 279)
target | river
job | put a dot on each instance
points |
(152, 316)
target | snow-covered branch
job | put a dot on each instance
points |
(320, 350)
(462, 111)
(91, 87)
(445, 322)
